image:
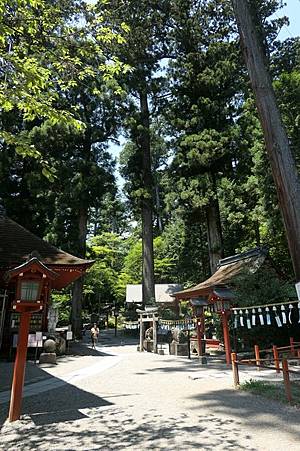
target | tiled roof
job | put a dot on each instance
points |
(17, 245)
(228, 268)
(163, 293)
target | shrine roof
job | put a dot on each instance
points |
(17, 245)
(228, 269)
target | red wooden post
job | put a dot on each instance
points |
(199, 332)
(276, 359)
(298, 353)
(235, 369)
(226, 337)
(286, 378)
(292, 346)
(19, 368)
(257, 356)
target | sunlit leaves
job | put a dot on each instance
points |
(44, 49)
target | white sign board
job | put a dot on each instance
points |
(32, 341)
(69, 335)
(39, 336)
(297, 286)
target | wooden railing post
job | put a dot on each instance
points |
(235, 370)
(257, 356)
(276, 359)
(292, 346)
(286, 379)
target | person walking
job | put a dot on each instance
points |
(94, 335)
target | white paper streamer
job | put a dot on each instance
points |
(261, 317)
(299, 312)
(283, 314)
(241, 318)
(268, 316)
(248, 319)
(253, 317)
(235, 319)
(278, 321)
(290, 313)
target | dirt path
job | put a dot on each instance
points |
(146, 401)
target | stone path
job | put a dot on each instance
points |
(118, 399)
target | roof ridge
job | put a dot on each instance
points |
(257, 251)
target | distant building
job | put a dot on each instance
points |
(163, 294)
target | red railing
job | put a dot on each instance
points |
(293, 349)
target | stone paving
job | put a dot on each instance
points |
(117, 399)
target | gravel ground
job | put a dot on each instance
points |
(146, 402)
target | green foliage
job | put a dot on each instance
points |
(258, 288)
(167, 314)
(62, 302)
(74, 74)
(261, 287)
(44, 48)
(272, 390)
(103, 283)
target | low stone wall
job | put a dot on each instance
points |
(178, 348)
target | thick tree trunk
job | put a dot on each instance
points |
(147, 204)
(214, 234)
(282, 163)
(78, 284)
(158, 209)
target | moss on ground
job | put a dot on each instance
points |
(273, 390)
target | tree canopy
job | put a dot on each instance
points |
(168, 77)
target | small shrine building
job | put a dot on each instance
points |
(215, 293)
(29, 269)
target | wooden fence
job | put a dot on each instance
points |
(279, 363)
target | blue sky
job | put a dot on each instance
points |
(292, 11)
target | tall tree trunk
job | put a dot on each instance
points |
(78, 284)
(158, 209)
(148, 288)
(282, 163)
(214, 234)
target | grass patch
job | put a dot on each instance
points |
(273, 390)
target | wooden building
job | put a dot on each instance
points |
(22, 252)
(216, 293)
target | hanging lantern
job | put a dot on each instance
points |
(198, 305)
(220, 299)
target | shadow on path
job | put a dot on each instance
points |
(256, 411)
(115, 429)
(55, 404)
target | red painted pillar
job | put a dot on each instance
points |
(226, 337)
(19, 368)
(199, 333)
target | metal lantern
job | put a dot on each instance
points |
(198, 305)
(221, 305)
(220, 299)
